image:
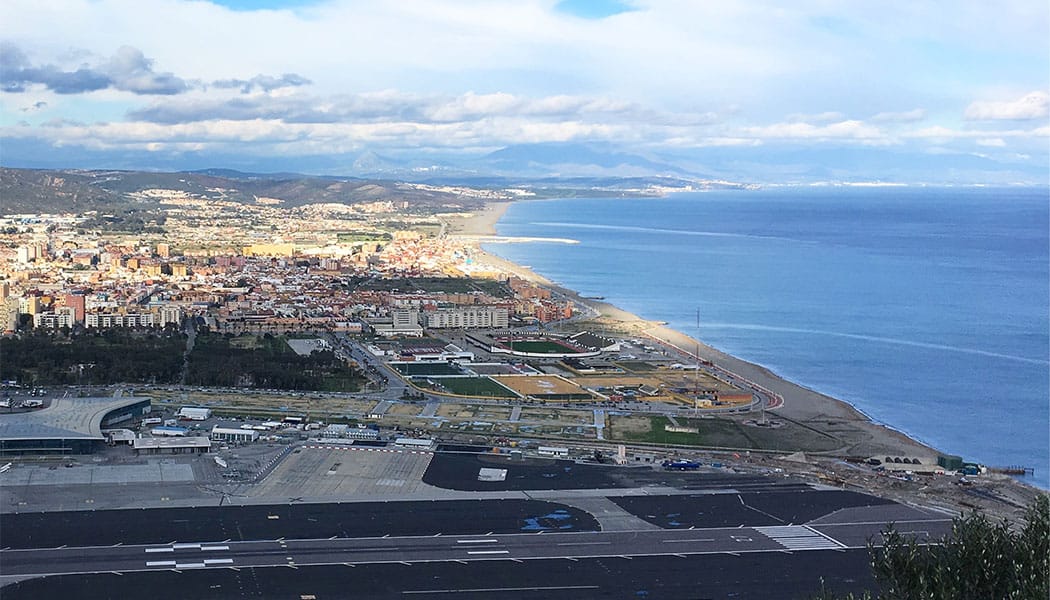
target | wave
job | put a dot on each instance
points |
(719, 234)
(879, 339)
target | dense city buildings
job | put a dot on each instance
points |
(241, 268)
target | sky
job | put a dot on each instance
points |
(170, 83)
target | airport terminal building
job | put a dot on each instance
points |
(68, 425)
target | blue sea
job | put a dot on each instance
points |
(926, 308)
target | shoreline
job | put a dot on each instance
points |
(862, 436)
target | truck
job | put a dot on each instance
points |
(680, 465)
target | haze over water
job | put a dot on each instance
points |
(926, 308)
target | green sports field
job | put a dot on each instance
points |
(474, 386)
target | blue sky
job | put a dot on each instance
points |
(155, 80)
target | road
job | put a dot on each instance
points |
(18, 564)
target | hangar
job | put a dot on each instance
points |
(68, 425)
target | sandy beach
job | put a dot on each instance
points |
(859, 435)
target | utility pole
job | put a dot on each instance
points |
(696, 376)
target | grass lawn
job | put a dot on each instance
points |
(474, 386)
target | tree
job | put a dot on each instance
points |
(979, 559)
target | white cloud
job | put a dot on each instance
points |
(946, 133)
(824, 117)
(1034, 105)
(855, 130)
(907, 116)
(434, 74)
(992, 142)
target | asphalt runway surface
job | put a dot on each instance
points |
(752, 509)
(695, 577)
(291, 521)
(460, 472)
(461, 549)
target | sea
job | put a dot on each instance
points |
(925, 308)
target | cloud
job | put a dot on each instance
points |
(992, 142)
(265, 83)
(946, 133)
(1034, 105)
(848, 130)
(908, 116)
(34, 107)
(824, 117)
(390, 105)
(128, 70)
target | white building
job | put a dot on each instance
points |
(108, 320)
(63, 317)
(170, 314)
(402, 321)
(225, 434)
(488, 317)
(189, 413)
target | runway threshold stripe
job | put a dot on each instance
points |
(152, 550)
(160, 563)
(800, 537)
(515, 589)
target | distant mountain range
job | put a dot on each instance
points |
(52, 191)
(750, 164)
(70, 190)
(747, 164)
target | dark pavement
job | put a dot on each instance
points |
(291, 521)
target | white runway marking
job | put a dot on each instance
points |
(800, 537)
(482, 541)
(514, 589)
(489, 552)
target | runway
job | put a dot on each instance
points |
(554, 551)
(437, 548)
(693, 577)
(551, 529)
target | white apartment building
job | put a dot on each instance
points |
(63, 317)
(107, 320)
(468, 317)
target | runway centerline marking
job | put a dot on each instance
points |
(585, 544)
(481, 541)
(514, 589)
(489, 552)
(160, 563)
(151, 550)
(688, 541)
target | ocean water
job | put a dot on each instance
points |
(927, 309)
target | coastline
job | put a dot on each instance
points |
(861, 436)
